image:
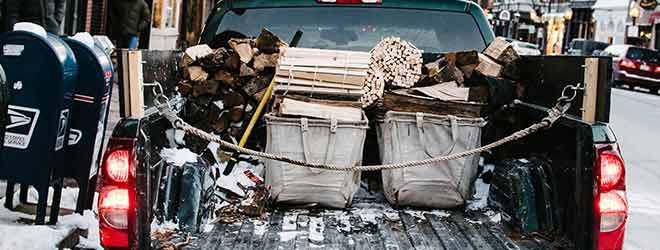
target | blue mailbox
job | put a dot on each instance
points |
(41, 73)
(88, 116)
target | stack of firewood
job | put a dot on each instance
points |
(223, 85)
(326, 73)
(455, 84)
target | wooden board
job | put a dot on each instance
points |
(410, 103)
(132, 84)
(318, 90)
(335, 103)
(324, 77)
(594, 76)
(311, 83)
(290, 107)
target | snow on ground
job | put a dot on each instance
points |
(27, 237)
(480, 199)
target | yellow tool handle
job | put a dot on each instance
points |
(257, 113)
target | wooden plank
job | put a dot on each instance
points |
(258, 241)
(414, 232)
(214, 238)
(318, 90)
(335, 71)
(302, 239)
(245, 238)
(307, 52)
(451, 237)
(448, 91)
(333, 239)
(230, 236)
(272, 237)
(132, 84)
(468, 228)
(314, 84)
(313, 62)
(591, 82)
(341, 78)
(298, 108)
(394, 234)
(408, 103)
(335, 103)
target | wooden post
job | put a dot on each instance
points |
(132, 81)
(596, 84)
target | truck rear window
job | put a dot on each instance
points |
(359, 28)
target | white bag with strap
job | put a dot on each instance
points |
(325, 141)
(405, 137)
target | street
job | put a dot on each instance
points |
(635, 117)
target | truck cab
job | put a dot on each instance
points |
(588, 168)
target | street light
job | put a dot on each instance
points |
(635, 12)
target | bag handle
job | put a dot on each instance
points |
(330, 150)
(422, 139)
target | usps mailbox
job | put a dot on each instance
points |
(41, 72)
(88, 115)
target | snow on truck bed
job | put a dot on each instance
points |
(369, 224)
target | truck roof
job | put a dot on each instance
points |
(448, 5)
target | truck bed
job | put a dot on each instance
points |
(371, 223)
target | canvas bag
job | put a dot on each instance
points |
(317, 141)
(405, 137)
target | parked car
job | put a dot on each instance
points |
(525, 48)
(582, 47)
(635, 66)
(586, 162)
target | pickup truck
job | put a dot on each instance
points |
(587, 164)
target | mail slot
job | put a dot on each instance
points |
(41, 71)
(88, 113)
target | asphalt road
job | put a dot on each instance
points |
(635, 118)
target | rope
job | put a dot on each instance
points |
(553, 115)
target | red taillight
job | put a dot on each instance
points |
(657, 69)
(611, 170)
(350, 1)
(113, 216)
(117, 165)
(611, 206)
(625, 63)
(114, 199)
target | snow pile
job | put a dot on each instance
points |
(480, 199)
(27, 237)
(178, 157)
(316, 228)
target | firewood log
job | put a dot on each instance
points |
(243, 48)
(184, 87)
(195, 73)
(246, 71)
(193, 53)
(207, 87)
(501, 51)
(225, 78)
(269, 43)
(263, 61)
(488, 67)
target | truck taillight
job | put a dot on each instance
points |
(116, 165)
(611, 205)
(350, 1)
(113, 207)
(115, 194)
(611, 170)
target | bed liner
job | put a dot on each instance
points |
(371, 223)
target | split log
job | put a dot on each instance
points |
(207, 87)
(246, 71)
(479, 94)
(269, 43)
(411, 103)
(233, 63)
(450, 73)
(501, 51)
(463, 58)
(214, 61)
(255, 202)
(263, 61)
(290, 107)
(225, 78)
(195, 73)
(236, 114)
(184, 87)
(468, 69)
(193, 53)
(232, 99)
(488, 67)
(257, 84)
(221, 124)
(244, 49)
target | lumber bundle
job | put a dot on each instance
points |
(394, 63)
(317, 72)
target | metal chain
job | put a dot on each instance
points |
(560, 108)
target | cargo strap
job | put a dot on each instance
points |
(556, 112)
